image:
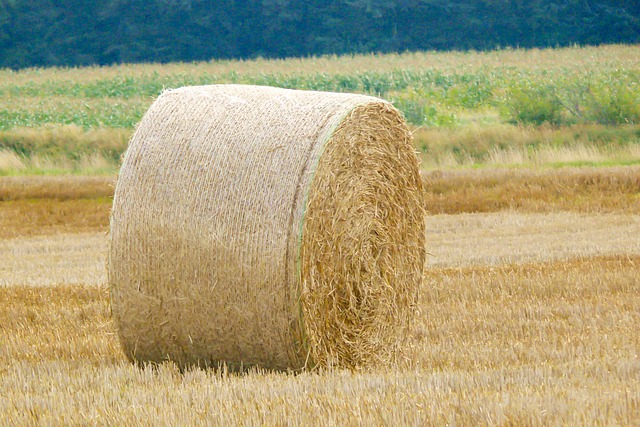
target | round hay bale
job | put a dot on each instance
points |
(263, 226)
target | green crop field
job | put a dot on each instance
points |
(523, 107)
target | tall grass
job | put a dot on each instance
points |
(509, 145)
(69, 148)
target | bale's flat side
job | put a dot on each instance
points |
(204, 228)
(363, 242)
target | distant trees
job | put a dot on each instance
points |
(82, 32)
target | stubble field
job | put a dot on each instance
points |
(529, 315)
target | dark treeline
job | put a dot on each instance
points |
(83, 32)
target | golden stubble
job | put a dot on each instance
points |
(525, 319)
(536, 343)
(45, 205)
(536, 190)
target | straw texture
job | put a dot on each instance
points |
(265, 226)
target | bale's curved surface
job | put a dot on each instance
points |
(264, 226)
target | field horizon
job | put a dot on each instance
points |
(529, 315)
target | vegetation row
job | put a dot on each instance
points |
(426, 97)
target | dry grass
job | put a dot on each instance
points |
(51, 260)
(533, 190)
(45, 205)
(61, 149)
(57, 323)
(510, 237)
(12, 164)
(453, 241)
(505, 145)
(55, 187)
(525, 319)
(34, 205)
(49, 216)
(543, 343)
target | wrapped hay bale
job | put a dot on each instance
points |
(263, 226)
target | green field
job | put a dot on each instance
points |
(577, 106)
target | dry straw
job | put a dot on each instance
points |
(264, 226)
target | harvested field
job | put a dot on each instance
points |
(55, 187)
(538, 343)
(36, 205)
(615, 189)
(528, 316)
(530, 307)
(513, 237)
(454, 241)
(38, 217)
(55, 259)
